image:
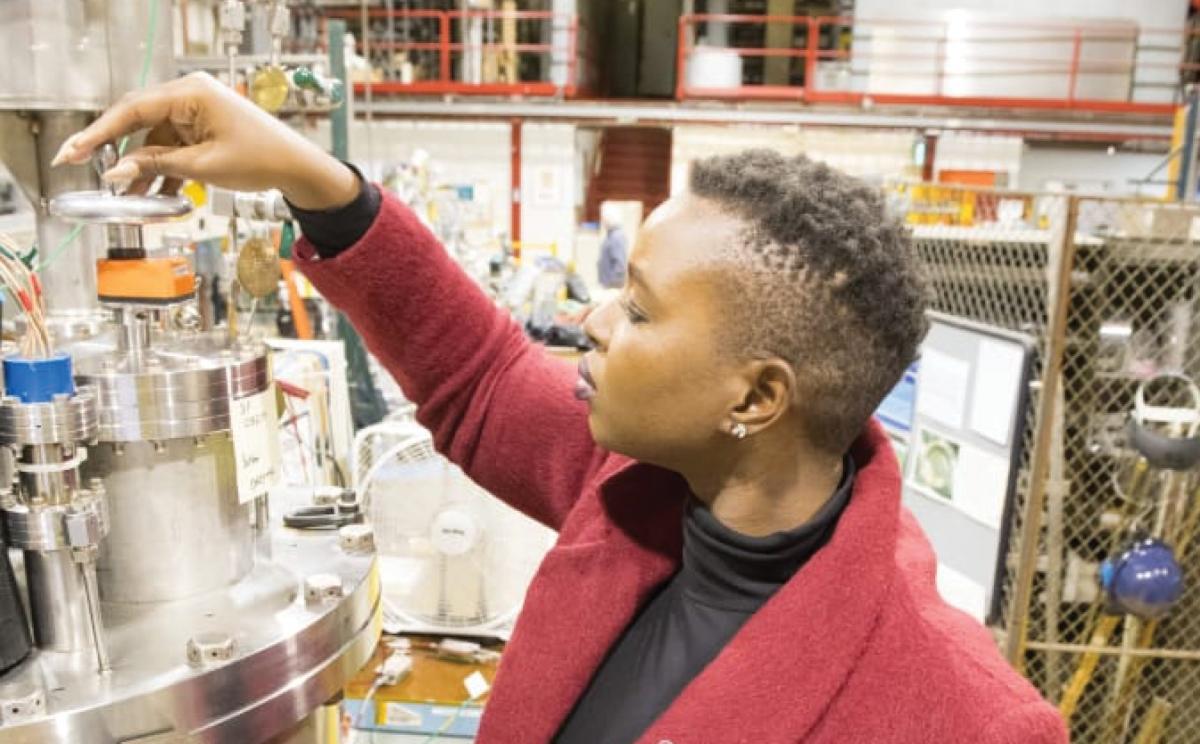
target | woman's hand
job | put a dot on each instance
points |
(203, 130)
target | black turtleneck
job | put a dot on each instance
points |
(723, 579)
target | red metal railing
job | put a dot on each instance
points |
(451, 31)
(924, 63)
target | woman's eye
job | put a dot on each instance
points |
(632, 312)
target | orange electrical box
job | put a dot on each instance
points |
(149, 280)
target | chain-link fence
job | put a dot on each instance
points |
(1130, 270)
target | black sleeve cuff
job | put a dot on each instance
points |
(335, 230)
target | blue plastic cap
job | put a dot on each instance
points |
(38, 380)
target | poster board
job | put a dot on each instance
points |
(960, 451)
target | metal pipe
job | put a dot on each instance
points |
(515, 176)
(51, 487)
(134, 330)
(338, 118)
(1145, 653)
(70, 287)
(87, 569)
(366, 42)
(1055, 547)
(57, 601)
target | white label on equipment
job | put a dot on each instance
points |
(476, 685)
(395, 714)
(255, 429)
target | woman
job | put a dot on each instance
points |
(733, 564)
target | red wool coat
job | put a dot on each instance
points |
(857, 647)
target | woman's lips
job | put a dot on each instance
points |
(585, 386)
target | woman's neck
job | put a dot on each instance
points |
(768, 486)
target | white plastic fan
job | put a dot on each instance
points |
(453, 558)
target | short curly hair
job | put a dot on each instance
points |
(824, 279)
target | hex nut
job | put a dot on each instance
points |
(17, 706)
(357, 538)
(322, 588)
(207, 649)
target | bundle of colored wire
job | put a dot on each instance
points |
(26, 291)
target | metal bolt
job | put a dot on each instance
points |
(357, 538)
(322, 588)
(17, 706)
(206, 649)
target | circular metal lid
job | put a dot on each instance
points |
(125, 209)
(180, 386)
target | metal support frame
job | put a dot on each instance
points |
(446, 48)
(515, 129)
(1185, 188)
(1040, 462)
(812, 55)
(339, 117)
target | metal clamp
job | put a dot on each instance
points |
(53, 467)
(82, 524)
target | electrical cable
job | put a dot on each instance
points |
(449, 722)
(26, 291)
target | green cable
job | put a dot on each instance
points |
(449, 722)
(151, 32)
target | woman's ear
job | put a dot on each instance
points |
(769, 395)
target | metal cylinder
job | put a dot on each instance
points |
(53, 486)
(133, 329)
(57, 601)
(107, 43)
(124, 237)
(70, 284)
(176, 528)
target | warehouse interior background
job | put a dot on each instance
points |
(1044, 157)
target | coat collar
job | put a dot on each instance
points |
(615, 550)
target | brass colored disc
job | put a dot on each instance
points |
(269, 88)
(258, 267)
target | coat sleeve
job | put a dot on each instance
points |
(1031, 723)
(497, 405)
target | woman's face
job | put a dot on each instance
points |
(658, 385)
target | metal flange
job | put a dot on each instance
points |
(64, 420)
